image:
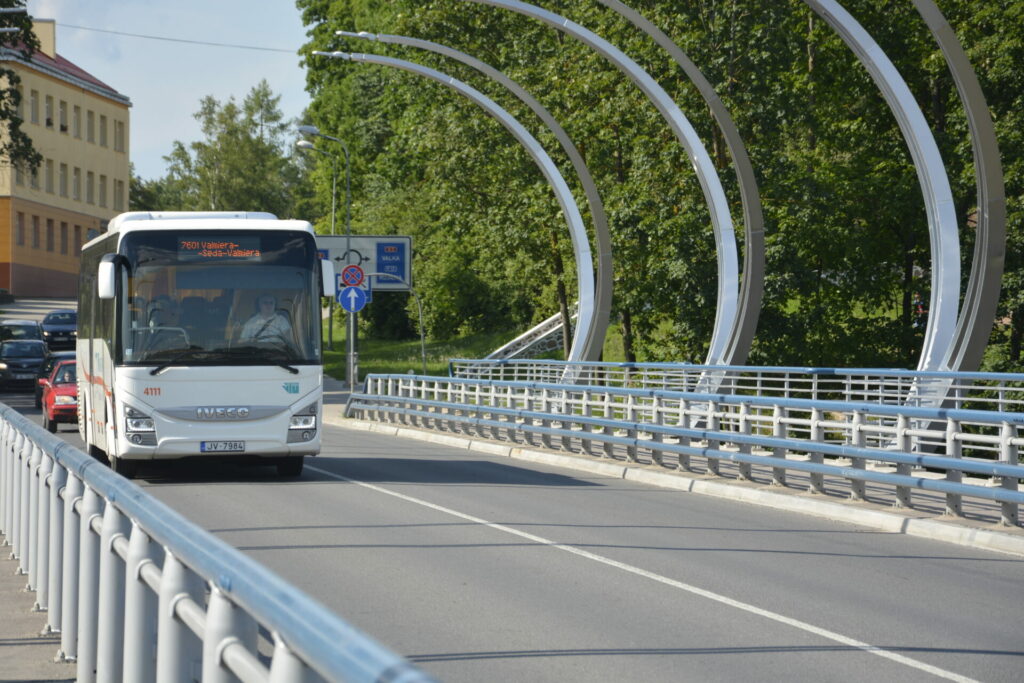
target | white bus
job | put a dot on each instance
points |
(200, 334)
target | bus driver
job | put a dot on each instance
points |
(267, 324)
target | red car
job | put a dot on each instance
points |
(60, 395)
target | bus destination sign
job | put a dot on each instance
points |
(241, 248)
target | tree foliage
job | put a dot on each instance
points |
(848, 248)
(243, 162)
(16, 145)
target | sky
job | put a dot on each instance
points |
(165, 80)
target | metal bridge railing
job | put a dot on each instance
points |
(956, 452)
(139, 593)
(980, 390)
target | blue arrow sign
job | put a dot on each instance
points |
(352, 299)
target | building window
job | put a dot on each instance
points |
(62, 180)
(35, 232)
(33, 106)
(90, 190)
(103, 130)
(119, 195)
(119, 136)
(63, 237)
(76, 122)
(19, 175)
(49, 234)
(20, 111)
(78, 238)
(49, 176)
(34, 177)
(76, 184)
(103, 191)
(20, 233)
(48, 112)
(90, 126)
(62, 115)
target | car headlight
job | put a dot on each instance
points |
(137, 421)
(46, 334)
(3, 366)
(64, 399)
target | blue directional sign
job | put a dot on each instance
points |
(352, 299)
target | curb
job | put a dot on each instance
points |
(852, 513)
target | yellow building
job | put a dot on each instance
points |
(79, 124)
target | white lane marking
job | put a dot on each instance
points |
(746, 607)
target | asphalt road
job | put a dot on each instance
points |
(478, 569)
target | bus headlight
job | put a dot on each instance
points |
(302, 422)
(137, 421)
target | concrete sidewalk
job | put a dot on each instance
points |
(25, 655)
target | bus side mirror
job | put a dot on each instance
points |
(327, 277)
(106, 277)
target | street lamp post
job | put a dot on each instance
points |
(352, 362)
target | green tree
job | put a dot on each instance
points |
(243, 162)
(16, 145)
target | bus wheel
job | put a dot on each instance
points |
(291, 466)
(126, 468)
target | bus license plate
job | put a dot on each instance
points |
(222, 446)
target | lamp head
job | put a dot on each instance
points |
(305, 144)
(309, 130)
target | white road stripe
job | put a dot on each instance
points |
(746, 607)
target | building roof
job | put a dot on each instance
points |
(63, 69)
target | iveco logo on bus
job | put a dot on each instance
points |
(222, 413)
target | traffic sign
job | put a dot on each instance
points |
(352, 299)
(352, 276)
(389, 254)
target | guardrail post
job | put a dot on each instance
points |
(586, 427)
(858, 487)
(606, 407)
(1008, 453)
(745, 468)
(285, 667)
(20, 502)
(225, 625)
(140, 610)
(817, 480)
(713, 463)
(88, 586)
(545, 407)
(5, 481)
(684, 422)
(954, 449)
(779, 452)
(58, 481)
(110, 620)
(32, 539)
(179, 652)
(657, 436)
(41, 576)
(69, 574)
(903, 444)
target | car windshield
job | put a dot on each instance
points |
(21, 350)
(15, 331)
(220, 298)
(66, 374)
(63, 318)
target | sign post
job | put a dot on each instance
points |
(388, 258)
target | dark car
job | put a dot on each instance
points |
(20, 329)
(20, 361)
(60, 328)
(51, 360)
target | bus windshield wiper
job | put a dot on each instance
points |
(171, 361)
(289, 368)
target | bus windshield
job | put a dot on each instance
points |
(207, 297)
